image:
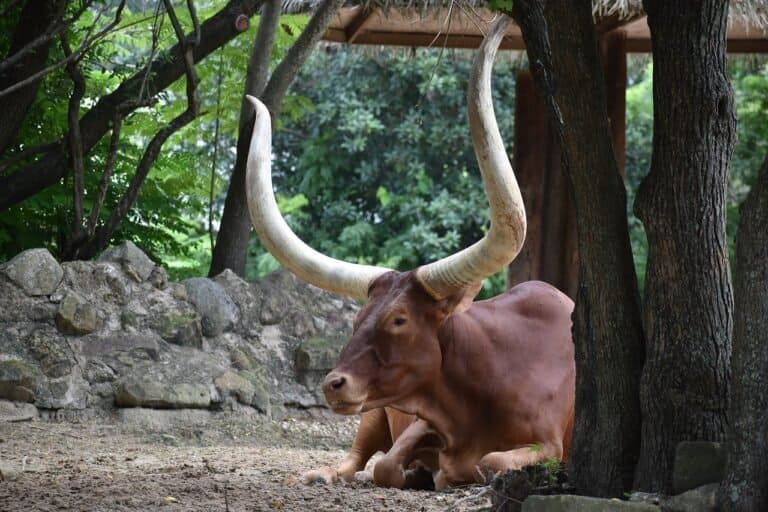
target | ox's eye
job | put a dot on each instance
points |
(398, 321)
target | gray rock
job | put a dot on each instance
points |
(18, 380)
(52, 352)
(162, 418)
(319, 354)
(179, 327)
(17, 411)
(131, 259)
(100, 282)
(217, 311)
(159, 395)
(697, 463)
(76, 315)
(261, 398)
(35, 271)
(158, 278)
(68, 392)
(700, 499)
(97, 372)
(146, 343)
(232, 384)
(9, 472)
(572, 503)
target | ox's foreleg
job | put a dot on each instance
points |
(496, 462)
(372, 435)
(411, 460)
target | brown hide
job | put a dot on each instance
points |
(491, 380)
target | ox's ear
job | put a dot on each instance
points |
(459, 301)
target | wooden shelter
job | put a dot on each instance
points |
(550, 252)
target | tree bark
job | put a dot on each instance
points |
(35, 18)
(564, 59)
(231, 249)
(745, 486)
(165, 69)
(688, 299)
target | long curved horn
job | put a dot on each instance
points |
(506, 235)
(308, 264)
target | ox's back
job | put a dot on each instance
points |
(513, 357)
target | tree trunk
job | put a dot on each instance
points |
(231, 246)
(565, 62)
(166, 68)
(35, 18)
(745, 486)
(688, 299)
(231, 249)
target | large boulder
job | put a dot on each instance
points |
(162, 395)
(572, 503)
(18, 380)
(217, 311)
(76, 315)
(35, 271)
(51, 352)
(133, 261)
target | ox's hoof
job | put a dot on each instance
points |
(325, 475)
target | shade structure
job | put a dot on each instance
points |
(463, 26)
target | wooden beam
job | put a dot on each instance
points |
(355, 26)
(733, 45)
(426, 40)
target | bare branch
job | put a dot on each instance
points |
(24, 153)
(87, 43)
(106, 176)
(294, 59)
(11, 5)
(52, 31)
(75, 140)
(104, 233)
(215, 156)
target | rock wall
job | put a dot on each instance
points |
(89, 337)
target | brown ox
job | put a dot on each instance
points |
(458, 388)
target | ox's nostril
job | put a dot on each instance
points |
(337, 383)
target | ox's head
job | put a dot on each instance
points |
(394, 352)
(394, 349)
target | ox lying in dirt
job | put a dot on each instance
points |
(458, 388)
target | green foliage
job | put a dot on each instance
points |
(169, 220)
(385, 160)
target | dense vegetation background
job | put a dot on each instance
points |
(372, 155)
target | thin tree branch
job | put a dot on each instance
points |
(87, 43)
(152, 151)
(11, 5)
(75, 140)
(214, 157)
(223, 26)
(52, 31)
(109, 166)
(41, 148)
(294, 59)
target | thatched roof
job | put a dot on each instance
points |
(462, 23)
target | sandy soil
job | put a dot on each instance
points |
(226, 463)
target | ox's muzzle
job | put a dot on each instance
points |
(342, 393)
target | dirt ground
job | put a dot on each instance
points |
(152, 461)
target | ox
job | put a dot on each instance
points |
(460, 388)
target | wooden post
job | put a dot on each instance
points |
(614, 51)
(550, 252)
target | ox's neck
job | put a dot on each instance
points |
(456, 397)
